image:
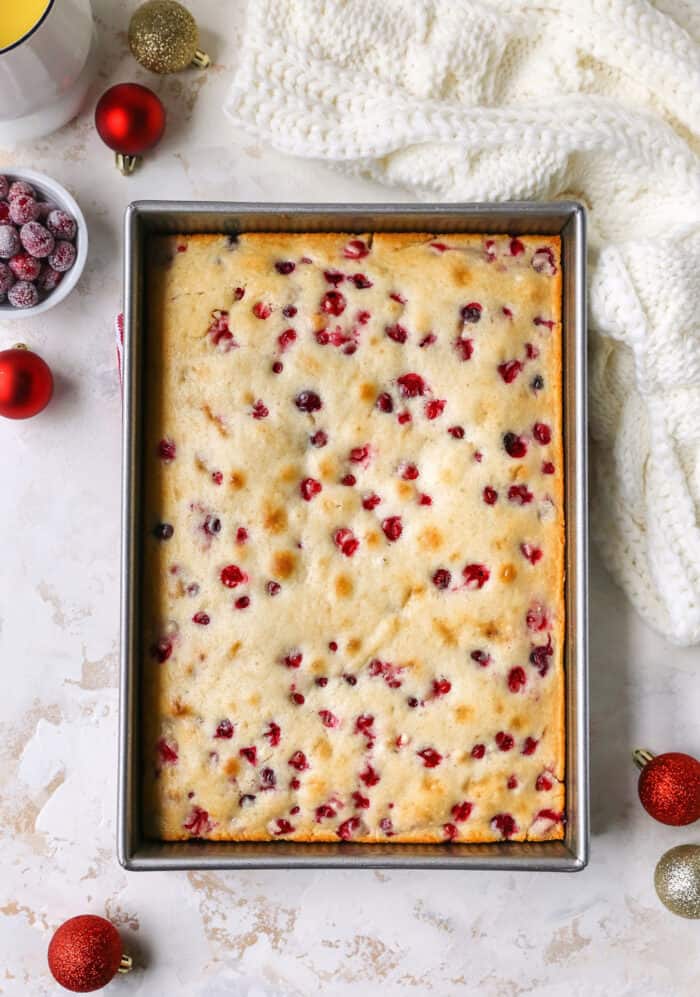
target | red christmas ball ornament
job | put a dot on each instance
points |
(130, 119)
(669, 786)
(26, 383)
(85, 953)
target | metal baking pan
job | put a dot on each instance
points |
(564, 218)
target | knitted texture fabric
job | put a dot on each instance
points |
(597, 100)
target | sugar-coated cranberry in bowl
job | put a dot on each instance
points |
(43, 243)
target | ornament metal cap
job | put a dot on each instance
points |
(126, 164)
(642, 757)
(126, 964)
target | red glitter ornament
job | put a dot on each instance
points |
(26, 383)
(85, 953)
(130, 119)
(669, 786)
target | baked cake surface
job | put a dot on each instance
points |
(353, 591)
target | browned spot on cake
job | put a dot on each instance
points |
(274, 519)
(179, 709)
(237, 479)
(448, 476)
(344, 586)
(445, 631)
(480, 413)
(516, 722)
(461, 274)
(518, 471)
(430, 538)
(498, 543)
(290, 472)
(354, 645)
(234, 648)
(373, 340)
(463, 713)
(372, 539)
(322, 748)
(283, 563)
(432, 785)
(404, 490)
(232, 767)
(318, 321)
(328, 469)
(508, 572)
(254, 700)
(368, 392)
(216, 420)
(318, 666)
(316, 788)
(248, 397)
(489, 628)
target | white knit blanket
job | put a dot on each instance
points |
(502, 99)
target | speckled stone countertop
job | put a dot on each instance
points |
(599, 933)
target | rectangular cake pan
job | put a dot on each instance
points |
(144, 218)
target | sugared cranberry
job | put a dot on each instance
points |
(63, 256)
(529, 746)
(224, 730)
(384, 402)
(370, 502)
(48, 279)
(9, 242)
(490, 495)
(293, 659)
(442, 578)
(4, 213)
(515, 446)
(462, 811)
(510, 370)
(435, 408)
(346, 541)
(333, 303)
(285, 267)
(411, 385)
(20, 188)
(23, 295)
(231, 576)
(471, 312)
(61, 225)
(202, 619)
(516, 247)
(517, 679)
(242, 602)
(163, 531)
(298, 761)
(542, 433)
(272, 588)
(308, 401)
(347, 828)
(476, 575)
(328, 719)
(520, 494)
(464, 347)
(392, 528)
(531, 553)
(356, 249)
(481, 657)
(37, 240)
(319, 439)
(504, 742)
(428, 340)
(540, 655)
(478, 751)
(250, 754)
(543, 261)
(456, 432)
(310, 487)
(7, 277)
(23, 209)
(261, 310)
(431, 757)
(25, 267)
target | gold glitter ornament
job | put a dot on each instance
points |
(163, 37)
(677, 880)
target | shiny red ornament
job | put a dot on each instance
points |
(130, 119)
(669, 786)
(85, 953)
(26, 383)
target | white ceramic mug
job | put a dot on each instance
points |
(45, 74)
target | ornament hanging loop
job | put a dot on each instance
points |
(642, 757)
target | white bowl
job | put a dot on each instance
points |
(52, 191)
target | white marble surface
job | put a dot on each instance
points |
(600, 933)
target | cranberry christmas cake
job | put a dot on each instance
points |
(353, 595)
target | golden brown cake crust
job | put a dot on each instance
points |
(319, 665)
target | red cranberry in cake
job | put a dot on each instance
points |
(242, 602)
(297, 698)
(260, 410)
(512, 782)
(551, 815)
(289, 311)
(464, 348)
(547, 467)
(441, 687)
(544, 783)
(409, 472)
(268, 779)
(531, 553)
(167, 751)
(212, 526)
(540, 655)
(384, 402)
(442, 578)
(356, 249)
(471, 313)
(261, 310)
(450, 831)
(428, 340)
(308, 401)
(531, 352)
(350, 679)
(505, 824)
(198, 822)
(462, 811)
(386, 825)
(360, 281)
(507, 312)
(346, 541)
(224, 730)
(239, 293)
(293, 659)
(294, 783)
(349, 480)
(334, 277)
(328, 719)
(456, 432)
(163, 531)
(403, 417)
(333, 303)
(360, 455)
(202, 619)
(517, 679)
(481, 657)
(520, 494)
(232, 576)
(392, 528)
(361, 802)
(277, 367)
(363, 725)
(323, 811)
(478, 751)
(298, 761)
(516, 247)
(542, 433)
(162, 650)
(310, 487)
(241, 535)
(536, 617)
(529, 746)
(476, 575)
(435, 408)
(285, 267)
(440, 247)
(543, 261)
(273, 588)
(490, 495)
(396, 332)
(424, 499)
(504, 742)
(217, 477)
(431, 757)
(319, 439)
(515, 446)
(388, 671)
(397, 296)
(347, 829)
(369, 776)
(167, 450)
(537, 383)
(363, 317)
(370, 502)
(510, 370)
(282, 826)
